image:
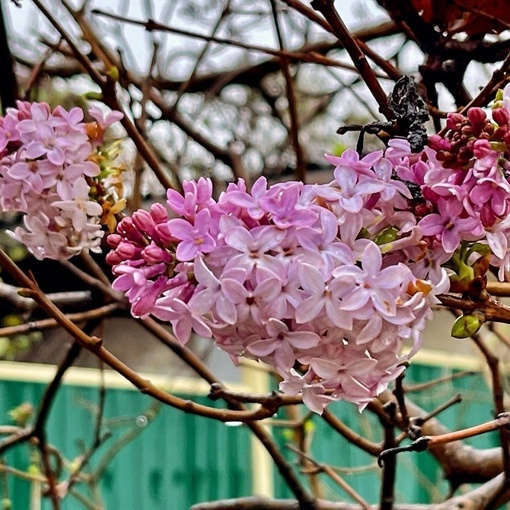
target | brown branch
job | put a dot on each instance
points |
(462, 463)
(389, 470)
(491, 309)
(384, 64)
(274, 399)
(429, 442)
(498, 78)
(476, 499)
(500, 289)
(327, 8)
(96, 313)
(293, 56)
(425, 386)
(10, 293)
(420, 420)
(498, 399)
(291, 99)
(399, 393)
(245, 75)
(328, 470)
(352, 437)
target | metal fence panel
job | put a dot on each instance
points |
(176, 461)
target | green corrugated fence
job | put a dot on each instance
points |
(172, 460)
(171, 463)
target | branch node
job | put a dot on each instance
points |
(420, 445)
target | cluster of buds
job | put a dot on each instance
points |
(53, 169)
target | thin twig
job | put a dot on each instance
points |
(326, 7)
(352, 437)
(96, 313)
(291, 98)
(412, 388)
(324, 468)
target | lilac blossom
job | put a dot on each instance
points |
(331, 278)
(47, 172)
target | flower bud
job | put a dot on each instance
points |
(143, 221)
(164, 233)
(467, 325)
(454, 120)
(477, 118)
(153, 254)
(113, 258)
(481, 148)
(127, 250)
(438, 143)
(113, 240)
(501, 116)
(159, 213)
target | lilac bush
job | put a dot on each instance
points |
(52, 170)
(323, 282)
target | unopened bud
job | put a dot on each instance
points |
(164, 233)
(113, 240)
(127, 250)
(159, 213)
(113, 258)
(153, 254)
(454, 120)
(143, 221)
(467, 325)
(501, 116)
(477, 117)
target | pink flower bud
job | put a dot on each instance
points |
(113, 240)
(481, 148)
(113, 258)
(477, 118)
(159, 213)
(164, 233)
(501, 116)
(438, 143)
(127, 228)
(453, 120)
(143, 221)
(153, 254)
(127, 250)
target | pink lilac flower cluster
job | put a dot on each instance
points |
(312, 279)
(48, 173)
(325, 282)
(465, 191)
